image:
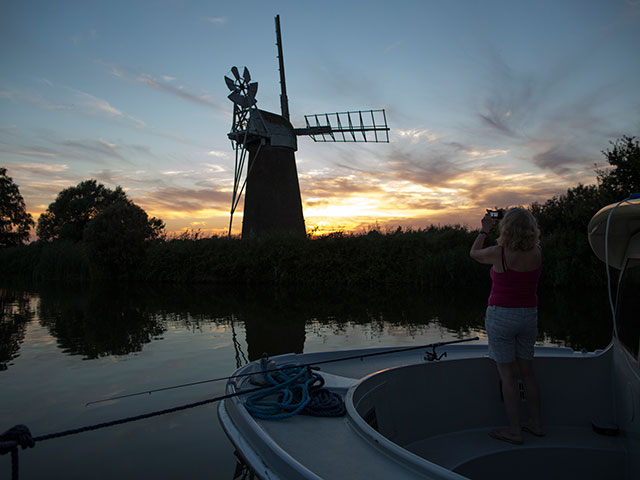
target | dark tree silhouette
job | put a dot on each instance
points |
(74, 207)
(573, 210)
(623, 178)
(15, 222)
(116, 237)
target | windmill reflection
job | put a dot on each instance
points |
(273, 325)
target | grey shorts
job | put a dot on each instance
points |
(512, 332)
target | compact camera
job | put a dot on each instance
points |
(496, 214)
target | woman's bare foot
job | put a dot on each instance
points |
(533, 429)
(506, 436)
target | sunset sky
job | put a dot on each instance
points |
(490, 103)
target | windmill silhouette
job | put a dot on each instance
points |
(272, 199)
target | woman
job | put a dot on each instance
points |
(512, 314)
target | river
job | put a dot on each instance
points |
(62, 347)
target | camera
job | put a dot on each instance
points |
(496, 214)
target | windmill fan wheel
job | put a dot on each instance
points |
(243, 90)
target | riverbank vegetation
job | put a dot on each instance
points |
(116, 239)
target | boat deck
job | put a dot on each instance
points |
(332, 448)
(345, 447)
(581, 447)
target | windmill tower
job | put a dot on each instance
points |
(265, 144)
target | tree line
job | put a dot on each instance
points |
(91, 231)
(110, 229)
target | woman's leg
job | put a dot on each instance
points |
(511, 394)
(532, 390)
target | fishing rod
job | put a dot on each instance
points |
(433, 346)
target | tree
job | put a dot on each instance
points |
(15, 222)
(563, 219)
(573, 210)
(73, 208)
(116, 237)
(624, 177)
(68, 216)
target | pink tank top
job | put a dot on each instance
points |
(514, 289)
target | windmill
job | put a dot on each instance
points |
(265, 144)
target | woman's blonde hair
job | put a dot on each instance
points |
(518, 230)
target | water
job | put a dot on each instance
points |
(61, 347)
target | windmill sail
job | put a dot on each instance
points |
(369, 126)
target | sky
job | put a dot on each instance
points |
(490, 103)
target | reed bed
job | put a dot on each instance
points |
(437, 256)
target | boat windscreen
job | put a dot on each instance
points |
(628, 307)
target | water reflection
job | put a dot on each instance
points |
(274, 324)
(100, 320)
(192, 332)
(580, 319)
(15, 313)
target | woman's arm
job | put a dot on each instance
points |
(488, 255)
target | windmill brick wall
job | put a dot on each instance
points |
(272, 202)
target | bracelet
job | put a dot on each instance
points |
(483, 232)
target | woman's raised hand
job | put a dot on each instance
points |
(488, 222)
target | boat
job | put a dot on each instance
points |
(426, 413)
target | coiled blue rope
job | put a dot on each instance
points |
(294, 390)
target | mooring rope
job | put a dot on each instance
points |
(297, 390)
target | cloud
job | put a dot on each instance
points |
(100, 147)
(556, 160)
(330, 186)
(30, 151)
(391, 203)
(498, 122)
(176, 202)
(96, 105)
(551, 105)
(415, 135)
(218, 154)
(434, 180)
(215, 20)
(339, 86)
(180, 92)
(45, 145)
(430, 167)
(215, 168)
(19, 96)
(114, 70)
(393, 46)
(91, 34)
(82, 103)
(42, 168)
(163, 84)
